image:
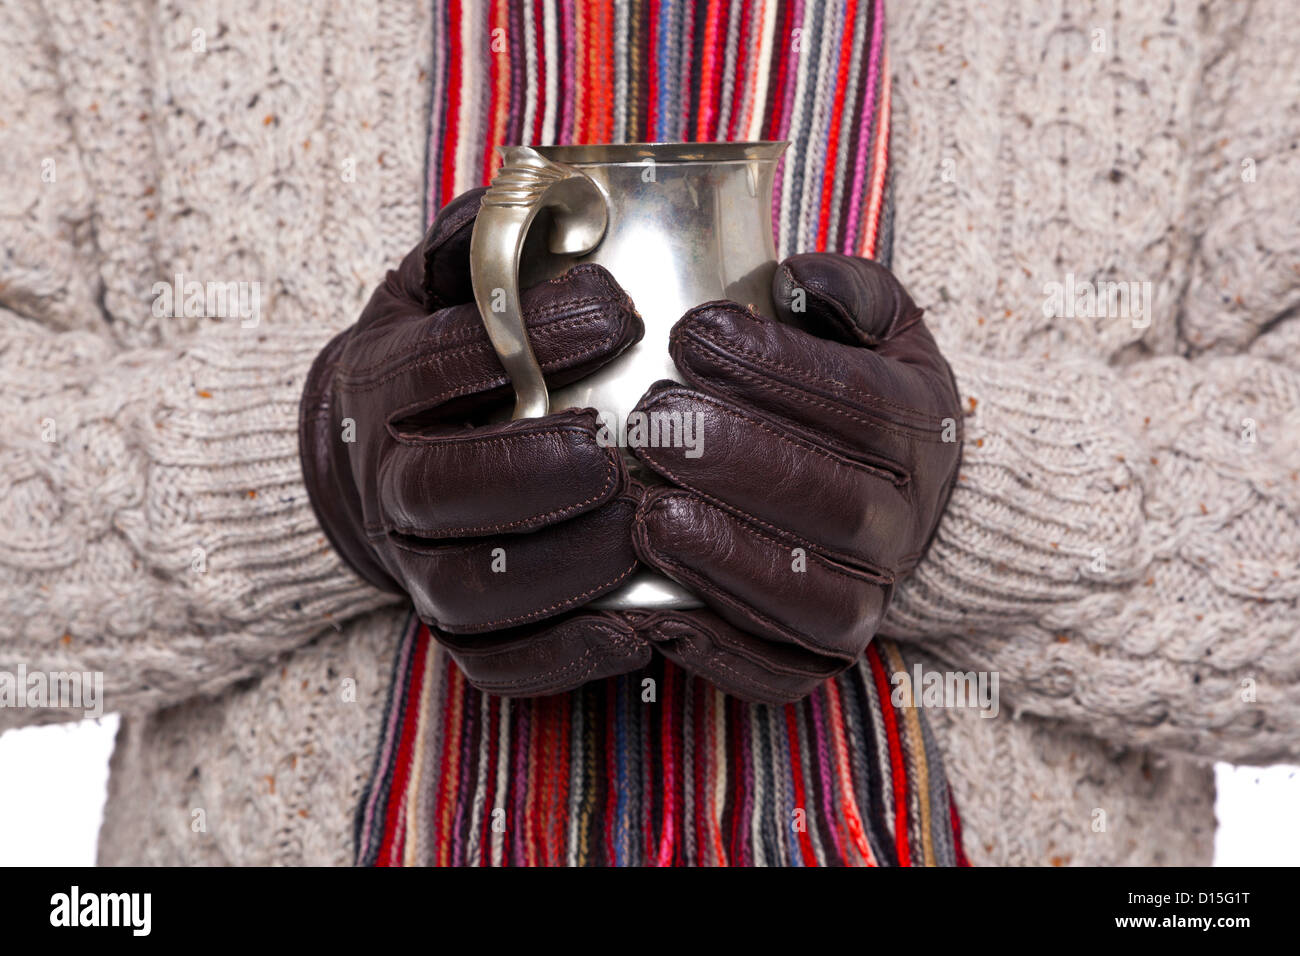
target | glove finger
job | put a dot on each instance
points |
(867, 405)
(843, 298)
(856, 301)
(768, 474)
(433, 275)
(760, 580)
(508, 478)
(576, 323)
(506, 581)
(560, 656)
(740, 664)
(445, 253)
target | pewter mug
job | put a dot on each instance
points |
(677, 224)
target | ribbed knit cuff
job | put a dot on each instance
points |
(1048, 507)
(225, 504)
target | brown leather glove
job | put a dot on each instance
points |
(502, 528)
(829, 440)
(831, 444)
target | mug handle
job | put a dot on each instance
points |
(527, 183)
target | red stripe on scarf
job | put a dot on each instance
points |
(390, 849)
(895, 756)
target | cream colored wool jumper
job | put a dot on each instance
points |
(1123, 547)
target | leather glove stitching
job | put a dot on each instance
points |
(744, 686)
(728, 352)
(896, 474)
(504, 622)
(360, 380)
(701, 584)
(605, 493)
(877, 572)
(933, 436)
(699, 632)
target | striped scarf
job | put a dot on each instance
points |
(657, 767)
(814, 72)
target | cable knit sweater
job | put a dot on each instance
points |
(1122, 548)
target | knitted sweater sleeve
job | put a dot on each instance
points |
(154, 527)
(1123, 546)
(154, 530)
(1123, 549)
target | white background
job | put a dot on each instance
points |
(53, 782)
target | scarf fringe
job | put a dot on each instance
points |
(655, 768)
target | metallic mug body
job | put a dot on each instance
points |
(677, 224)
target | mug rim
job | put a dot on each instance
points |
(615, 154)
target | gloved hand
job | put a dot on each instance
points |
(832, 439)
(503, 528)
